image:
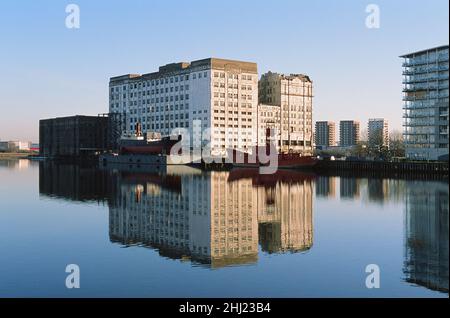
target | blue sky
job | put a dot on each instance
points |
(49, 70)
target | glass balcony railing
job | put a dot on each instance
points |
(420, 87)
(442, 57)
(424, 61)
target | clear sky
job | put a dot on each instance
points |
(48, 70)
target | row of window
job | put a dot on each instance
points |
(175, 79)
(233, 76)
(231, 95)
(156, 91)
(233, 86)
(155, 82)
(222, 111)
(159, 99)
(161, 126)
(160, 117)
(233, 119)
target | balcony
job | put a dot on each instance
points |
(416, 116)
(421, 79)
(420, 87)
(415, 63)
(442, 57)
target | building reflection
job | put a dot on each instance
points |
(74, 182)
(427, 233)
(217, 219)
(17, 164)
(385, 190)
(214, 219)
(349, 188)
(326, 186)
(285, 217)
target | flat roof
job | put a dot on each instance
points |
(72, 117)
(214, 63)
(426, 50)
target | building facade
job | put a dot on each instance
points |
(378, 132)
(269, 117)
(349, 134)
(325, 134)
(73, 136)
(293, 95)
(211, 93)
(425, 103)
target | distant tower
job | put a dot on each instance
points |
(325, 134)
(349, 134)
(378, 132)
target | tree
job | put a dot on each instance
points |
(396, 143)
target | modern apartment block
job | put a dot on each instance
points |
(217, 93)
(425, 103)
(325, 134)
(378, 132)
(293, 95)
(349, 133)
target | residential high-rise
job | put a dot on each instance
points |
(210, 93)
(348, 133)
(425, 103)
(378, 132)
(293, 95)
(325, 134)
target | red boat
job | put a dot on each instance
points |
(285, 160)
(139, 145)
(145, 147)
(289, 160)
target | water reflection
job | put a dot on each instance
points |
(349, 188)
(426, 242)
(326, 186)
(217, 219)
(19, 164)
(75, 182)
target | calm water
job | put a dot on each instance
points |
(184, 233)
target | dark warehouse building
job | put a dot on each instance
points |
(75, 136)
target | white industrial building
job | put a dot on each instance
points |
(210, 93)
